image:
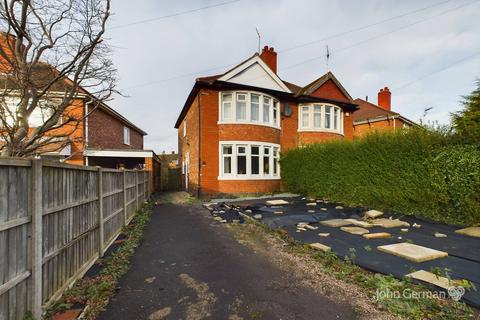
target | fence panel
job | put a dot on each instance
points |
(70, 226)
(14, 229)
(55, 221)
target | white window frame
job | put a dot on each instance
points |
(185, 127)
(126, 135)
(248, 147)
(311, 112)
(248, 118)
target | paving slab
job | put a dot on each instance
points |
(360, 223)
(372, 214)
(335, 223)
(390, 223)
(276, 202)
(412, 252)
(378, 235)
(432, 278)
(470, 231)
(355, 230)
(319, 246)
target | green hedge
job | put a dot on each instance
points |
(416, 172)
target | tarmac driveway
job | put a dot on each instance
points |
(189, 267)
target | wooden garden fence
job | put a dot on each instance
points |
(55, 221)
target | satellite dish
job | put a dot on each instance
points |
(287, 111)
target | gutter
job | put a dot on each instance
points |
(375, 120)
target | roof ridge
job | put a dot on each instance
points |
(376, 106)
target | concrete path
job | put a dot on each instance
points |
(191, 267)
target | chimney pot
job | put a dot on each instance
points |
(385, 98)
(269, 56)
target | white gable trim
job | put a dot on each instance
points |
(249, 63)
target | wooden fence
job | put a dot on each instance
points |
(55, 221)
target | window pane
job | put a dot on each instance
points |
(317, 116)
(266, 165)
(227, 149)
(241, 164)
(241, 150)
(335, 118)
(255, 160)
(227, 164)
(266, 160)
(327, 116)
(305, 117)
(241, 107)
(255, 107)
(275, 112)
(275, 160)
(227, 113)
(266, 109)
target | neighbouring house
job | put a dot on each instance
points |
(378, 117)
(234, 125)
(95, 135)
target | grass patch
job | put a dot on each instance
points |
(418, 302)
(95, 291)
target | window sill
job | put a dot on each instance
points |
(321, 130)
(250, 177)
(250, 123)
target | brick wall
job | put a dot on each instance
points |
(329, 90)
(105, 131)
(189, 143)
(385, 125)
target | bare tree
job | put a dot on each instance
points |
(52, 54)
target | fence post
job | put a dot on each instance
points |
(36, 238)
(100, 212)
(136, 188)
(146, 184)
(124, 197)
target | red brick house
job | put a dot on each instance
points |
(234, 125)
(95, 134)
(378, 117)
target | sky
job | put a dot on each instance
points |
(426, 52)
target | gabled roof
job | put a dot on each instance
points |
(255, 72)
(232, 80)
(43, 73)
(368, 111)
(313, 86)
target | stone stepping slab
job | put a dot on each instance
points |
(412, 252)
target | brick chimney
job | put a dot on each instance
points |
(385, 98)
(269, 56)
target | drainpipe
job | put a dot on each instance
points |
(199, 153)
(85, 140)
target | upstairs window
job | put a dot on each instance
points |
(249, 107)
(126, 135)
(320, 117)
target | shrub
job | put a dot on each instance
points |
(416, 172)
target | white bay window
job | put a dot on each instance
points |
(321, 118)
(249, 107)
(242, 160)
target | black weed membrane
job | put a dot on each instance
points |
(462, 262)
(223, 212)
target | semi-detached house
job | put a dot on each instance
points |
(233, 126)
